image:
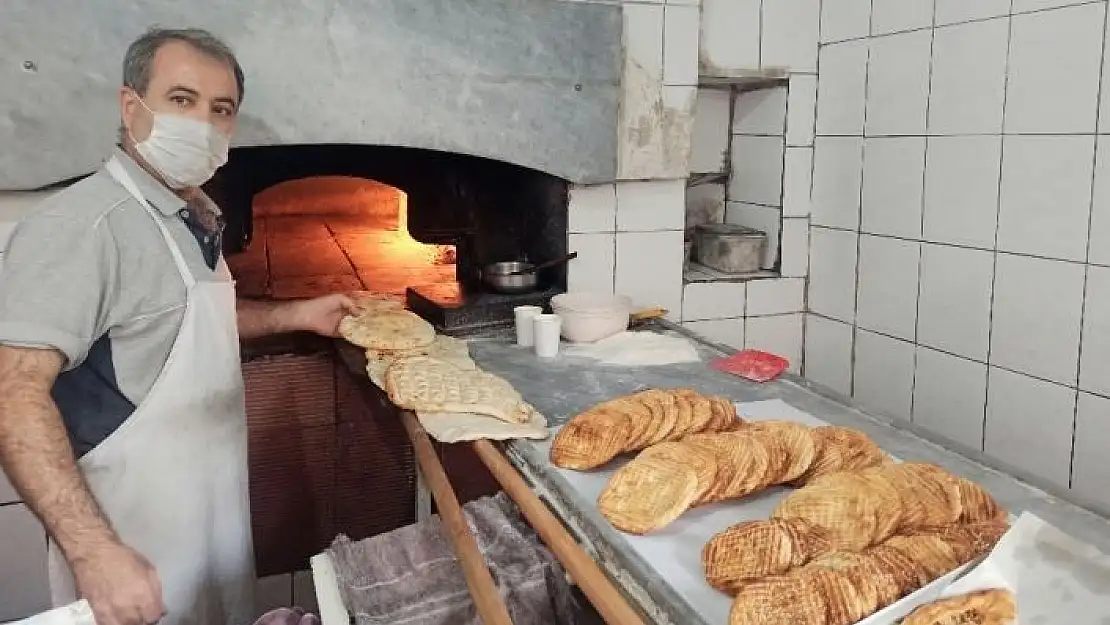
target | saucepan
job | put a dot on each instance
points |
(516, 276)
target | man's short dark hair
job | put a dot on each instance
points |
(139, 59)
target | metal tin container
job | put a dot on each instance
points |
(730, 248)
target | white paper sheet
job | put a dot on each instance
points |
(455, 427)
(1054, 577)
(637, 349)
(675, 551)
(78, 613)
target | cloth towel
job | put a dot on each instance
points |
(411, 575)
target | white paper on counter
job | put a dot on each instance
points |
(637, 349)
(1055, 578)
(455, 427)
(78, 613)
(674, 552)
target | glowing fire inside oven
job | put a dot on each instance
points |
(350, 228)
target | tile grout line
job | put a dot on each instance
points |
(859, 206)
(974, 20)
(809, 194)
(760, 56)
(839, 135)
(962, 357)
(921, 246)
(997, 221)
(958, 246)
(1087, 258)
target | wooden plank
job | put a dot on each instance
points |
(605, 597)
(491, 609)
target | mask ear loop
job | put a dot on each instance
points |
(138, 97)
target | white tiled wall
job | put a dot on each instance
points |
(746, 35)
(658, 84)
(960, 247)
(628, 236)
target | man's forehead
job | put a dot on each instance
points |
(178, 63)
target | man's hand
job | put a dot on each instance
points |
(322, 314)
(120, 585)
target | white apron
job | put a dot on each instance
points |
(172, 480)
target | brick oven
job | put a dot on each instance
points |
(411, 222)
(327, 451)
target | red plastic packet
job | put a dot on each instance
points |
(753, 365)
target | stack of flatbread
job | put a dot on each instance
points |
(837, 587)
(851, 543)
(634, 422)
(434, 376)
(697, 451)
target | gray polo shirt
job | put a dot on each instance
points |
(88, 273)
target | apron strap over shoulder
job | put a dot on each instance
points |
(121, 176)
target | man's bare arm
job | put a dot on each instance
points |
(257, 318)
(37, 457)
(320, 315)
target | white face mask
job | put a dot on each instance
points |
(186, 152)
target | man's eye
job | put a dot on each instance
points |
(180, 100)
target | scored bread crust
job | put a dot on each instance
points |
(425, 384)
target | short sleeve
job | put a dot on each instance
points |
(57, 283)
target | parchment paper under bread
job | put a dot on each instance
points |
(455, 427)
(1055, 578)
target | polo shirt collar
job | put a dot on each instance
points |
(154, 191)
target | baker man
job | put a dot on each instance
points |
(122, 421)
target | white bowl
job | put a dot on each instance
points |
(590, 317)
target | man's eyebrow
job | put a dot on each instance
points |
(189, 90)
(229, 101)
(196, 94)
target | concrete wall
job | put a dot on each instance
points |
(531, 82)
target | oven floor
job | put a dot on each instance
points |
(294, 256)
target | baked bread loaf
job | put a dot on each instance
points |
(425, 384)
(985, 607)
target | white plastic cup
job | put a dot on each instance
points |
(545, 331)
(524, 315)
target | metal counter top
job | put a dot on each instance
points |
(566, 386)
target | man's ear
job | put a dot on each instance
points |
(128, 108)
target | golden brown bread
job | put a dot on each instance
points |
(985, 607)
(645, 418)
(753, 550)
(779, 600)
(647, 494)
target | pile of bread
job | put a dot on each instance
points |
(697, 451)
(859, 533)
(422, 371)
(851, 543)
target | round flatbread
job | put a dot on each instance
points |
(368, 302)
(647, 494)
(995, 606)
(394, 330)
